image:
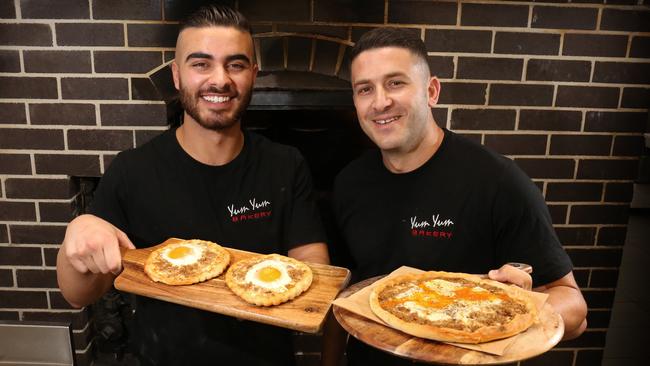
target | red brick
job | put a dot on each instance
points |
(549, 120)
(489, 68)
(177, 10)
(9, 61)
(517, 144)
(325, 57)
(4, 234)
(23, 299)
(497, 15)
(457, 41)
(607, 169)
(611, 235)
(618, 192)
(127, 10)
(606, 45)
(527, 43)
(20, 256)
(576, 235)
(564, 18)
(90, 34)
(441, 66)
(133, 114)
(12, 113)
(31, 138)
(538, 168)
(132, 62)
(116, 140)
(640, 47)
(288, 10)
(581, 145)
(599, 214)
(422, 12)
(28, 87)
(25, 35)
(95, 88)
(364, 11)
(37, 234)
(42, 188)
(17, 211)
(578, 192)
(324, 30)
(152, 35)
(462, 93)
(520, 94)
(628, 145)
(57, 301)
(57, 61)
(7, 10)
(55, 9)
(558, 213)
(79, 320)
(36, 278)
(144, 89)
(587, 96)
(622, 72)
(143, 136)
(625, 20)
(558, 70)
(6, 278)
(636, 98)
(55, 211)
(62, 114)
(68, 164)
(483, 119)
(616, 121)
(15, 164)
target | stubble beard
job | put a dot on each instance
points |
(216, 121)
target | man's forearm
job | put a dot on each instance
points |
(80, 289)
(569, 303)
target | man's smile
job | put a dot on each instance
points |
(387, 120)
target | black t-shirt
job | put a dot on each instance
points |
(261, 201)
(466, 209)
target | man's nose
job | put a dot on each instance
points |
(382, 100)
(219, 78)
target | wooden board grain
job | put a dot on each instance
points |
(536, 340)
(305, 313)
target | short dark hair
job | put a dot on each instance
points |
(390, 37)
(216, 15)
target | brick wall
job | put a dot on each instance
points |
(561, 87)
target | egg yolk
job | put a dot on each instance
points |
(179, 252)
(268, 274)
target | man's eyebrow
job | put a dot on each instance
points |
(238, 56)
(198, 55)
(387, 76)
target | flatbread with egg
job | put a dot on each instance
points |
(269, 279)
(185, 262)
(453, 307)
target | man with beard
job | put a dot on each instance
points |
(206, 179)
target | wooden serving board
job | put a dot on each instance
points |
(538, 339)
(305, 313)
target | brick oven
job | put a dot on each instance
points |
(563, 88)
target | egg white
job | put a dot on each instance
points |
(279, 284)
(191, 258)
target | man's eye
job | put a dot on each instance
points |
(363, 90)
(236, 66)
(395, 83)
(200, 65)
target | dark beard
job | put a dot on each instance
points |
(216, 121)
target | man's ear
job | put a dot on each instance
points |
(256, 68)
(433, 91)
(177, 83)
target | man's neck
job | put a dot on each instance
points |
(210, 147)
(400, 161)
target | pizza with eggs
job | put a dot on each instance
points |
(453, 307)
(268, 279)
(184, 262)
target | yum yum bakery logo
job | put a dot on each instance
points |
(434, 228)
(253, 210)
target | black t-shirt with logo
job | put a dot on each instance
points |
(467, 209)
(262, 201)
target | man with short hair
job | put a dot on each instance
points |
(206, 179)
(434, 200)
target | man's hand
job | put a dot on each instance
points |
(510, 274)
(93, 245)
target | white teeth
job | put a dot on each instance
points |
(384, 121)
(216, 99)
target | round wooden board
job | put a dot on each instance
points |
(536, 340)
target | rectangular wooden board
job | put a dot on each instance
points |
(306, 313)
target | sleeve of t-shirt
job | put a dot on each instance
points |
(303, 225)
(524, 230)
(110, 195)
